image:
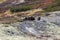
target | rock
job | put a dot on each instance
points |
(29, 18)
(38, 28)
(39, 18)
(44, 28)
(50, 39)
(53, 19)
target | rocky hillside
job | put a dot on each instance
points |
(38, 28)
(28, 24)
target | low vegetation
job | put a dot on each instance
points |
(19, 9)
(53, 7)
